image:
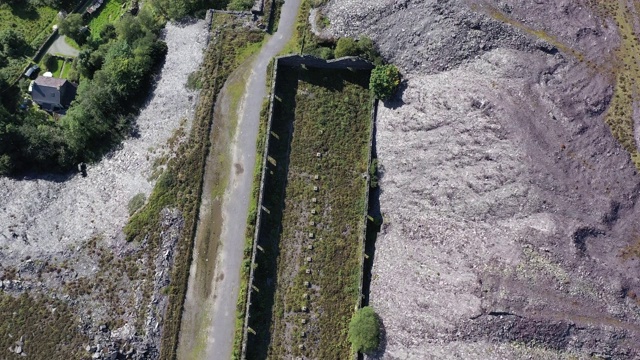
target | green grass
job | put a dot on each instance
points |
(108, 13)
(28, 21)
(66, 70)
(71, 43)
(330, 111)
(48, 327)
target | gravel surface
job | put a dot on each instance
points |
(50, 213)
(510, 211)
(60, 47)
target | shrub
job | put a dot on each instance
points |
(346, 47)
(194, 80)
(373, 173)
(240, 5)
(136, 202)
(364, 330)
(384, 81)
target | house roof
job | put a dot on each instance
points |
(52, 92)
(50, 82)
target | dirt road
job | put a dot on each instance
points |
(209, 318)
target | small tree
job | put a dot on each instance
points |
(384, 81)
(71, 26)
(364, 330)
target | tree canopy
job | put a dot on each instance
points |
(364, 330)
(71, 26)
(115, 71)
(384, 81)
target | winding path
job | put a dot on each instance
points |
(218, 310)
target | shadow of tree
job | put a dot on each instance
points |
(396, 100)
(24, 10)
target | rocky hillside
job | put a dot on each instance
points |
(512, 229)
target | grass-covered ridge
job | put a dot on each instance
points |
(324, 202)
(626, 71)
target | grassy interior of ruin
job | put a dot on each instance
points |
(315, 196)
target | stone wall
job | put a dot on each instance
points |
(297, 61)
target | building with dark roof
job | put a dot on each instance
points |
(53, 93)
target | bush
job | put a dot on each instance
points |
(240, 5)
(136, 202)
(363, 47)
(346, 47)
(384, 81)
(373, 173)
(194, 80)
(364, 330)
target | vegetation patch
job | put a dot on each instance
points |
(108, 13)
(626, 70)
(44, 328)
(364, 330)
(310, 246)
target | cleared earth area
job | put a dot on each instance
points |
(510, 210)
(318, 154)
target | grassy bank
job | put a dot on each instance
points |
(181, 184)
(108, 13)
(311, 250)
(48, 328)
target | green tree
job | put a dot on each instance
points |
(12, 43)
(364, 330)
(71, 26)
(384, 81)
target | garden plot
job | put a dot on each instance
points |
(310, 248)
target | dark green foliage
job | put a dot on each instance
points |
(108, 32)
(363, 47)
(50, 3)
(115, 73)
(364, 330)
(13, 44)
(346, 46)
(373, 173)
(50, 62)
(384, 81)
(71, 26)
